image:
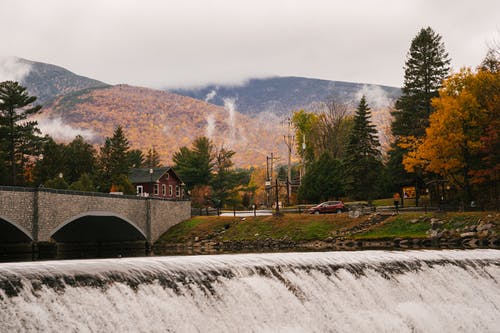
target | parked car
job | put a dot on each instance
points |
(328, 207)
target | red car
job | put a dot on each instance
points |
(328, 207)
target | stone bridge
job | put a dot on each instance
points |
(42, 215)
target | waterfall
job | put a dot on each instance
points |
(370, 291)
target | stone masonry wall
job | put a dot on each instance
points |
(56, 209)
(165, 214)
(17, 208)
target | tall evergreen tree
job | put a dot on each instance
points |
(17, 135)
(136, 158)
(323, 180)
(80, 158)
(363, 161)
(427, 65)
(225, 179)
(152, 159)
(114, 160)
(194, 165)
(51, 162)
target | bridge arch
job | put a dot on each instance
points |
(11, 232)
(97, 226)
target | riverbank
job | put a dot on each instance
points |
(304, 232)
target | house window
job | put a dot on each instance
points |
(163, 189)
(139, 189)
(156, 189)
(170, 191)
(166, 176)
(177, 191)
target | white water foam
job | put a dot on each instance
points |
(372, 291)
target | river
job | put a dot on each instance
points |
(365, 291)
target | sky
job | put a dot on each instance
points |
(188, 43)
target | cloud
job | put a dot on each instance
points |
(380, 105)
(11, 68)
(210, 96)
(209, 131)
(56, 128)
(224, 42)
(375, 96)
(230, 106)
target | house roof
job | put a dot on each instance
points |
(142, 175)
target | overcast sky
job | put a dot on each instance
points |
(174, 43)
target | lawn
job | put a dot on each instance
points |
(398, 226)
(290, 226)
(390, 202)
(306, 227)
(415, 225)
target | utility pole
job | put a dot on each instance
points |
(269, 176)
(277, 199)
(303, 166)
(289, 140)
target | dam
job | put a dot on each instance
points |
(359, 291)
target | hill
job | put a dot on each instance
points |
(43, 80)
(281, 95)
(161, 119)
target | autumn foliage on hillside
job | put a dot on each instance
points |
(166, 121)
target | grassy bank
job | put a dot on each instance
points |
(292, 226)
(306, 227)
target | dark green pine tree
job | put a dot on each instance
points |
(363, 162)
(114, 160)
(80, 159)
(51, 161)
(426, 66)
(136, 158)
(194, 165)
(17, 135)
(224, 180)
(152, 159)
(324, 180)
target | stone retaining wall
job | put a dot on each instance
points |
(332, 244)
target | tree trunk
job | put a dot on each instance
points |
(467, 187)
(12, 150)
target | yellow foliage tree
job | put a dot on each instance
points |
(257, 181)
(467, 104)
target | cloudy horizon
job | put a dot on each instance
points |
(176, 44)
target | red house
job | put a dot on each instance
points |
(157, 182)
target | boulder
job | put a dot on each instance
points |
(434, 233)
(436, 224)
(487, 226)
(483, 233)
(473, 243)
(472, 227)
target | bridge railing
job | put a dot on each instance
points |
(85, 193)
(17, 189)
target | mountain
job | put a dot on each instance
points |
(46, 81)
(282, 95)
(246, 118)
(161, 119)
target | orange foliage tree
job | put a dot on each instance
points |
(462, 140)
